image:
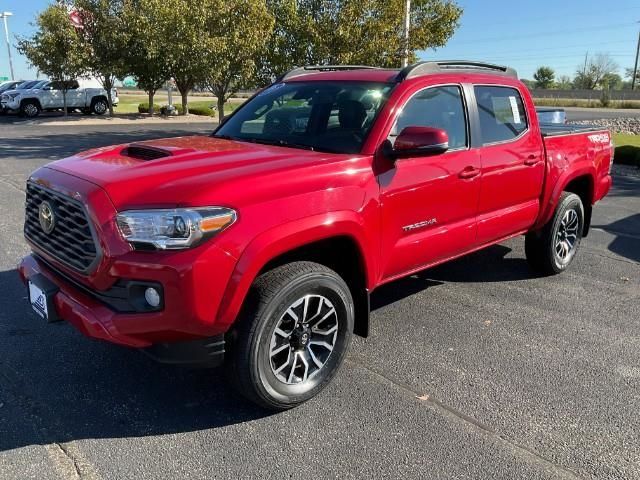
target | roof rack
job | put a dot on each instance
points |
(422, 68)
(321, 68)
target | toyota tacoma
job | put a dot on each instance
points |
(258, 246)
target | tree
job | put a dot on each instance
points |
(628, 73)
(148, 50)
(105, 39)
(591, 76)
(183, 25)
(239, 30)
(368, 32)
(611, 81)
(564, 83)
(544, 77)
(55, 49)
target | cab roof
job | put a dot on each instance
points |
(387, 75)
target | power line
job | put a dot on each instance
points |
(557, 14)
(544, 34)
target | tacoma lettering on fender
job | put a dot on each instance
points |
(258, 246)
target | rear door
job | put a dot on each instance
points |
(429, 203)
(512, 163)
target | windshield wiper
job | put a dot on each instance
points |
(225, 137)
(279, 143)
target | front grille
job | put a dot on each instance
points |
(71, 240)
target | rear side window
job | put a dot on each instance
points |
(438, 107)
(502, 113)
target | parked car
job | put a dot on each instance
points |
(12, 85)
(9, 85)
(48, 96)
(259, 245)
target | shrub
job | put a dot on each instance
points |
(627, 155)
(205, 111)
(144, 108)
(605, 98)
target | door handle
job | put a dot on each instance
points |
(469, 172)
(532, 160)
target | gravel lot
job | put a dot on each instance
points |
(476, 369)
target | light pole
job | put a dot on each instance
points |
(407, 24)
(4, 16)
(635, 68)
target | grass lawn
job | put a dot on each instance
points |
(129, 103)
(620, 140)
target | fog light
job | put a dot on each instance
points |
(152, 297)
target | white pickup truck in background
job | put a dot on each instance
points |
(84, 95)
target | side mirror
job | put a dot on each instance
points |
(420, 141)
(47, 87)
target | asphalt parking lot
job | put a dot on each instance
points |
(476, 369)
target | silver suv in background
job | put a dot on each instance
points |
(84, 95)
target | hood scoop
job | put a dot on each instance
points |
(145, 152)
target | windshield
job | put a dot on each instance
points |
(324, 116)
(26, 85)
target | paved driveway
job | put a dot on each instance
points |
(475, 369)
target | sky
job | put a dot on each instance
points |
(521, 34)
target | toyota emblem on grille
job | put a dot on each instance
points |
(46, 217)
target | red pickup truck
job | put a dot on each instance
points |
(260, 244)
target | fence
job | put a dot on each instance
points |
(585, 94)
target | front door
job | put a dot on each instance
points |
(429, 203)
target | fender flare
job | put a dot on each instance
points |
(282, 239)
(549, 207)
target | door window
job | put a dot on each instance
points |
(502, 113)
(437, 107)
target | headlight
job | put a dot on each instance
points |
(11, 96)
(173, 229)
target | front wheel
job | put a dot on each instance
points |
(292, 335)
(30, 109)
(552, 249)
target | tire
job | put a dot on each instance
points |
(30, 109)
(276, 360)
(99, 106)
(552, 249)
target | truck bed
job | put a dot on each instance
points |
(554, 130)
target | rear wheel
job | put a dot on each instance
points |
(99, 106)
(30, 109)
(292, 335)
(552, 249)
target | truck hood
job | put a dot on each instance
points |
(185, 171)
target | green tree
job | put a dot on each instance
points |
(55, 48)
(368, 32)
(184, 27)
(148, 50)
(238, 31)
(564, 83)
(105, 39)
(590, 76)
(544, 77)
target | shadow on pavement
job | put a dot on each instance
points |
(58, 386)
(627, 233)
(48, 146)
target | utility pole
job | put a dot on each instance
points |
(635, 69)
(4, 16)
(407, 24)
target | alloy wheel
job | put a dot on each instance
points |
(567, 235)
(303, 339)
